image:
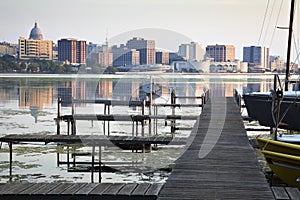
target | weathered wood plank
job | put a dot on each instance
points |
(99, 189)
(280, 193)
(141, 189)
(73, 189)
(113, 189)
(154, 189)
(293, 193)
(85, 190)
(127, 189)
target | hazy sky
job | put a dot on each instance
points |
(236, 22)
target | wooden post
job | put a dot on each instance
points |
(93, 163)
(143, 113)
(150, 105)
(173, 102)
(108, 123)
(10, 160)
(100, 167)
(104, 112)
(73, 123)
(58, 116)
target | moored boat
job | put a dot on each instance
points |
(285, 166)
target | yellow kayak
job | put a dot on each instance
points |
(285, 166)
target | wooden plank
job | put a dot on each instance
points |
(59, 189)
(100, 188)
(85, 190)
(141, 189)
(293, 193)
(280, 193)
(154, 189)
(33, 189)
(127, 189)
(46, 189)
(113, 189)
(73, 189)
(16, 188)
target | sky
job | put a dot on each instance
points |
(236, 22)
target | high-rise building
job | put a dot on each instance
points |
(123, 56)
(256, 56)
(191, 52)
(184, 51)
(8, 48)
(162, 57)
(35, 47)
(146, 49)
(72, 50)
(221, 53)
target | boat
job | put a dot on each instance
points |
(278, 108)
(278, 146)
(285, 166)
(283, 158)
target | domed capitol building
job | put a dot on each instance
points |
(35, 47)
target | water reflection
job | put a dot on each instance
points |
(21, 98)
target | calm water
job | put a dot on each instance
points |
(28, 105)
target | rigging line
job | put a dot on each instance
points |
(269, 21)
(296, 49)
(263, 24)
(273, 33)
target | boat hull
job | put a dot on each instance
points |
(286, 167)
(279, 147)
(259, 107)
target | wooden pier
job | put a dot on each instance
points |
(107, 191)
(219, 163)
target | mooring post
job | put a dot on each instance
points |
(58, 116)
(104, 120)
(108, 123)
(10, 160)
(173, 102)
(143, 113)
(93, 163)
(73, 123)
(100, 167)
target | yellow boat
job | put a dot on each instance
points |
(285, 166)
(277, 146)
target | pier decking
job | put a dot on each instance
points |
(219, 163)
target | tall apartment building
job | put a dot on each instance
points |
(35, 47)
(72, 50)
(123, 56)
(256, 56)
(191, 52)
(162, 57)
(146, 49)
(8, 48)
(221, 53)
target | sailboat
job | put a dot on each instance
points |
(278, 108)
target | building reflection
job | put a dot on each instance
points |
(35, 98)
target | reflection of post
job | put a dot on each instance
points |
(73, 123)
(104, 120)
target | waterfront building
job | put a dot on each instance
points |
(72, 50)
(146, 49)
(103, 58)
(191, 52)
(162, 57)
(256, 56)
(35, 47)
(123, 56)
(8, 48)
(277, 63)
(221, 53)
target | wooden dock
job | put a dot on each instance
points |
(219, 163)
(107, 191)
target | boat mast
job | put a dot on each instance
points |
(287, 71)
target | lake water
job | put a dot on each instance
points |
(28, 105)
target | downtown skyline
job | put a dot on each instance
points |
(236, 22)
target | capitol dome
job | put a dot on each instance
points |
(36, 33)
